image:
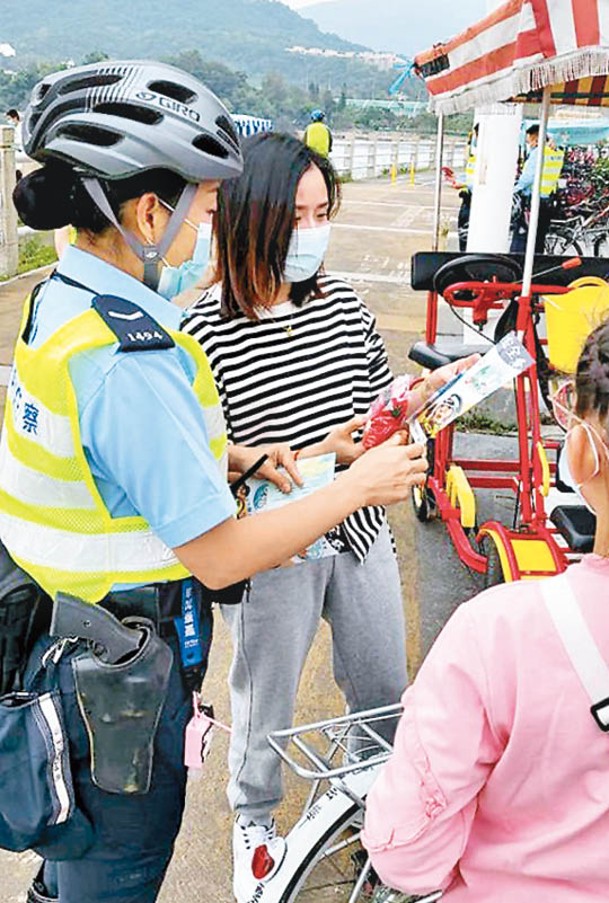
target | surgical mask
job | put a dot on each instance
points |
(566, 477)
(564, 468)
(306, 253)
(175, 280)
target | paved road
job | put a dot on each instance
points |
(380, 225)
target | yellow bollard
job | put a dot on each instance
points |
(412, 172)
(394, 173)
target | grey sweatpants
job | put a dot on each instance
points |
(273, 630)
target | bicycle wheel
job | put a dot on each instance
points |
(601, 246)
(424, 503)
(330, 869)
(324, 859)
(560, 244)
(337, 870)
(494, 569)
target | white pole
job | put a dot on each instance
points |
(9, 241)
(529, 257)
(438, 183)
(496, 158)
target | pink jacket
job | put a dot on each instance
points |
(498, 788)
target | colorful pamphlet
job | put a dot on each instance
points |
(262, 495)
(506, 360)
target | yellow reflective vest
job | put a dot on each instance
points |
(53, 519)
(317, 137)
(470, 170)
(553, 160)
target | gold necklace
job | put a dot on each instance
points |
(288, 329)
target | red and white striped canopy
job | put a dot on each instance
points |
(521, 48)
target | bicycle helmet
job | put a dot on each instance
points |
(112, 120)
(317, 115)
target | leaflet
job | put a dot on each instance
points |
(317, 472)
(506, 360)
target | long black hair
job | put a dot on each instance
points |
(256, 219)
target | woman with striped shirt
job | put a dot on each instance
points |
(297, 360)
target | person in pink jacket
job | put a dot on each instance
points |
(498, 786)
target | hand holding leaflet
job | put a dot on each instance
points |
(506, 360)
(396, 405)
(389, 412)
(262, 495)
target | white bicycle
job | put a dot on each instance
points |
(324, 859)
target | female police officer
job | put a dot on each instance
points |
(112, 465)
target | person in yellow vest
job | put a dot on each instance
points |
(553, 159)
(317, 135)
(465, 189)
(114, 453)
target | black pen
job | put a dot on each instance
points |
(238, 483)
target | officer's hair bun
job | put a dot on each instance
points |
(44, 198)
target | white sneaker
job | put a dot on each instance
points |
(257, 854)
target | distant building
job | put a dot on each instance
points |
(371, 58)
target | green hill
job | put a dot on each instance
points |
(250, 35)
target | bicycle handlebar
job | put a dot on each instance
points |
(485, 296)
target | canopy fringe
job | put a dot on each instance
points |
(512, 84)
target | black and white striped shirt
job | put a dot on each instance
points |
(297, 373)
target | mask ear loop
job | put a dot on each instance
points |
(150, 254)
(597, 461)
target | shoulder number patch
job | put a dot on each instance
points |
(133, 327)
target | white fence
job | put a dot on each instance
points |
(370, 156)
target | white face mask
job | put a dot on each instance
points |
(175, 280)
(566, 477)
(564, 466)
(306, 253)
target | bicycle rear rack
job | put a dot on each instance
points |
(332, 749)
(341, 750)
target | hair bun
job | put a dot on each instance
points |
(43, 198)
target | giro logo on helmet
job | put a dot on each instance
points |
(169, 104)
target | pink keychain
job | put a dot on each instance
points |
(199, 733)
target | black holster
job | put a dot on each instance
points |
(121, 705)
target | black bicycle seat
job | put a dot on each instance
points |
(476, 268)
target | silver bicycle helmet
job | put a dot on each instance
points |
(112, 120)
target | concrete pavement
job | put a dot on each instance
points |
(380, 225)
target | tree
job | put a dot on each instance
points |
(375, 119)
(96, 56)
(232, 87)
(276, 89)
(16, 87)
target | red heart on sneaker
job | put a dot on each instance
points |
(262, 862)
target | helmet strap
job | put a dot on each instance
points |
(150, 254)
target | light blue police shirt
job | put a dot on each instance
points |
(527, 176)
(142, 427)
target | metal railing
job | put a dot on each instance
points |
(370, 156)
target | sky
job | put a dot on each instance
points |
(298, 4)
(485, 5)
